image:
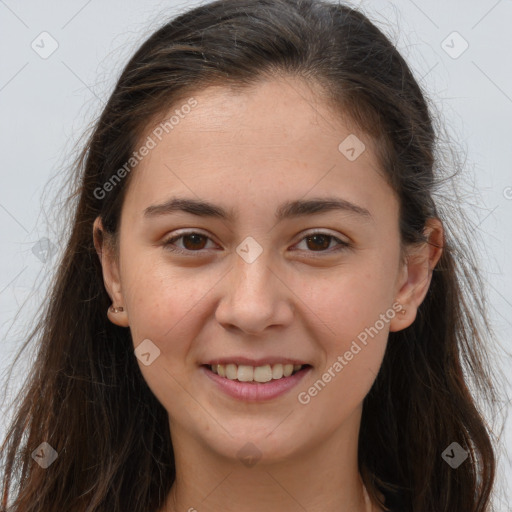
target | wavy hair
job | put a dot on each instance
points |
(86, 395)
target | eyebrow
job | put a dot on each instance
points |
(287, 210)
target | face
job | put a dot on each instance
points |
(296, 261)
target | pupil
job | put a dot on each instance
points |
(325, 238)
(194, 244)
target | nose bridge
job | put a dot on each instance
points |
(252, 266)
(253, 297)
(252, 278)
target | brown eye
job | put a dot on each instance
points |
(191, 242)
(194, 242)
(321, 242)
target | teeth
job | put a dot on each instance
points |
(246, 373)
(231, 371)
(287, 370)
(277, 371)
(262, 373)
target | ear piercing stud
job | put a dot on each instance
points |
(120, 308)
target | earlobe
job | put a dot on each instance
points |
(116, 313)
(417, 274)
(118, 316)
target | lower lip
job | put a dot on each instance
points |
(256, 391)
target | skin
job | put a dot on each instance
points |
(251, 152)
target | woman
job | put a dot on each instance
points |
(260, 305)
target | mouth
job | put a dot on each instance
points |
(259, 383)
(256, 374)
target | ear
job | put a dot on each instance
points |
(110, 266)
(416, 274)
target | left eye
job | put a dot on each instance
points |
(323, 240)
(195, 242)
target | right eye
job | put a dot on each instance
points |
(192, 242)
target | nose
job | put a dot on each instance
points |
(255, 297)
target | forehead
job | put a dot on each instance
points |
(285, 106)
(278, 136)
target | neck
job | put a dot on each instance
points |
(321, 478)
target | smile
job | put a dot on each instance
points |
(246, 373)
(255, 383)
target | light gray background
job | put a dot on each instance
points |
(46, 104)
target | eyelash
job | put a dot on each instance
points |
(168, 244)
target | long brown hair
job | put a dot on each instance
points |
(86, 396)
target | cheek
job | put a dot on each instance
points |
(353, 310)
(166, 306)
(352, 298)
(354, 329)
(161, 300)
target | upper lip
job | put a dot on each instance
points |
(262, 361)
